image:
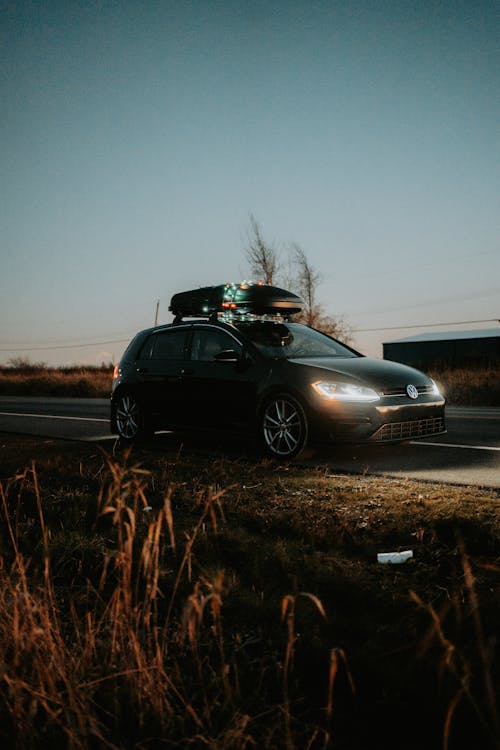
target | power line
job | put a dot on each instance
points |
(64, 346)
(444, 300)
(49, 347)
(426, 325)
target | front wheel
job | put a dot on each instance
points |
(130, 418)
(283, 427)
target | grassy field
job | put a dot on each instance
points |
(171, 597)
(473, 387)
(470, 387)
(26, 379)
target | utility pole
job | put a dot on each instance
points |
(156, 314)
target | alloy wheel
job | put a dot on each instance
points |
(284, 427)
(128, 417)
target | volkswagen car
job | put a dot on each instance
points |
(233, 359)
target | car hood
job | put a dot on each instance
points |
(376, 373)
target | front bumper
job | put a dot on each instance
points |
(382, 422)
(411, 429)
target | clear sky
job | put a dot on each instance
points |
(138, 137)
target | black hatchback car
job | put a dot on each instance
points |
(233, 360)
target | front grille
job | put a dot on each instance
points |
(401, 390)
(414, 428)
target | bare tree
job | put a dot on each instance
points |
(305, 282)
(299, 276)
(263, 258)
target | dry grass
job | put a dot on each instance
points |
(470, 387)
(156, 600)
(25, 379)
(466, 387)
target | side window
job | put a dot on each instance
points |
(169, 345)
(146, 349)
(207, 344)
(165, 345)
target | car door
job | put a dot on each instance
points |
(219, 382)
(159, 372)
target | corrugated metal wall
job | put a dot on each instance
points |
(452, 353)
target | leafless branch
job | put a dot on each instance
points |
(262, 257)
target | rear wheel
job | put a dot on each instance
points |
(283, 426)
(130, 418)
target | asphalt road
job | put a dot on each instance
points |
(468, 454)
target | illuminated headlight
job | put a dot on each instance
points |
(345, 391)
(435, 388)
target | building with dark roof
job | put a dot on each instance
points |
(447, 348)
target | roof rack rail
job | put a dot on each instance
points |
(234, 300)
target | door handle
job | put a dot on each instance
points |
(187, 372)
(142, 370)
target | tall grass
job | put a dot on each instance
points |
(470, 386)
(137, 654)
(454, 663)
(223, 605)
(28, 379)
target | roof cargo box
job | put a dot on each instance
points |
(256, 299)
(197, 302)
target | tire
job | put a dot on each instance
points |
(130, 418)
(283, 426)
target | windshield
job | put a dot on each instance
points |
(288, 340)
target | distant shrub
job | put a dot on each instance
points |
(24, 364)
(470, 387)
(36, 380)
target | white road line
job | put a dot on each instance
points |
(98, 438)
(455, 445)
(52, 416)
(476, 417)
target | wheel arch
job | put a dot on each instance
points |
(285, 390)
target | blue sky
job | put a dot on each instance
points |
(137, 139)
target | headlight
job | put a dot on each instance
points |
(345, 391)
(436, 391)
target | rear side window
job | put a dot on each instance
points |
(165, 345)
(129, 352)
